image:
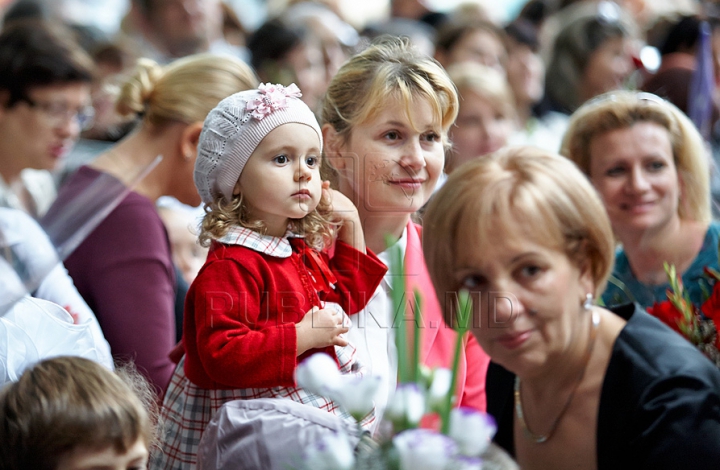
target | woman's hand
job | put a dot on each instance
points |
(321, 328)
(340, 209)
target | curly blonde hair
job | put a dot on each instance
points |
(318, 227)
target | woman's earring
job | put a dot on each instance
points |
(589, 300)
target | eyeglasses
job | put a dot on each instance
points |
(61, 113)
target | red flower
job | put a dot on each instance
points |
(666, 312)
(711, 307)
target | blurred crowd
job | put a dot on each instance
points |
(91, 92)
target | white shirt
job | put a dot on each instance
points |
(373, 336)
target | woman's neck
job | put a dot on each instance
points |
(678, 244)
(562, 370)
(130, 156)
(378, 226)
(9, 172)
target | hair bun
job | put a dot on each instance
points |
(137, 91)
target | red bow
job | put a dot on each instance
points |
(322, 277)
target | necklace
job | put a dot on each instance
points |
(540, 438)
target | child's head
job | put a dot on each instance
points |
(258, 165)
(68, 409)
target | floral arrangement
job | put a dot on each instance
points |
(401, 443)
(698, 324)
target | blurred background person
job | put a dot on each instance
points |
(285, 54)
(164, 30)
(486, 118)
(181, 223)
(45, 82)
(526, 76)
(591, 54)
(478, 41)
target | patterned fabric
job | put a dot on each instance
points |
(188, 409)
(267, 244)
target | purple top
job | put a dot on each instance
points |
(124, 271)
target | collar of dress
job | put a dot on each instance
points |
(267, 244)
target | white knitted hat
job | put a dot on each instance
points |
(236, 126)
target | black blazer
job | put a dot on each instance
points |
(659, 404)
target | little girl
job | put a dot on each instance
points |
(258, 305)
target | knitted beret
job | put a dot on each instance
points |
(234, 129)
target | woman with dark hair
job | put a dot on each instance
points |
(591, 55)
(44, 104)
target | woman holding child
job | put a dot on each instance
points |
(386, 117)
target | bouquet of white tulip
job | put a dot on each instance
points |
(400, 444)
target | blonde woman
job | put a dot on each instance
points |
(650, 166)
(124, 268)
(385, 119)
(571, 384)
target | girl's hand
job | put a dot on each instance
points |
(321, 328)
(341, 209)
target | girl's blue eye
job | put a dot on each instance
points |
(312, 162)
(281, 159)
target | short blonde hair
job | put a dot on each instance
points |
(65, 403)
(184, 90)
(389, 67)
(623, 109)
(525, 192)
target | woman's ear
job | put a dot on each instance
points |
(333, 144)
(189, 139)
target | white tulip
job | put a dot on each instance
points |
(422, 449)
(407, 405)
(472, 430)
(316, 373)
(355, 394)
(439, 388)
(331, 452)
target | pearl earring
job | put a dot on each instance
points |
(589, 300)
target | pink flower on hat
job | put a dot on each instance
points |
(272, 97)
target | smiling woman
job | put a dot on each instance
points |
(650, 166)
(570, 384)
(44, 94)
(385, 118)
